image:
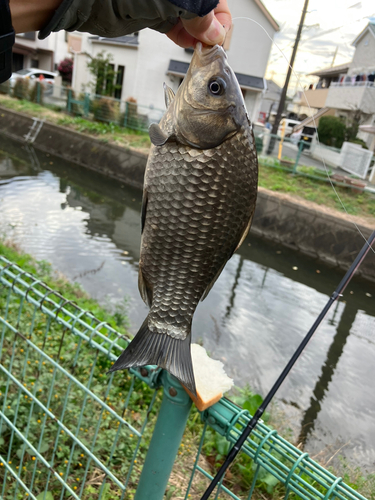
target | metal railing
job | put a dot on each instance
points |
(68, 430)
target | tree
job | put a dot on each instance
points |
(331, 131)
(103, 71)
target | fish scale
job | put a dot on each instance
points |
(198, 201)
(194, 220)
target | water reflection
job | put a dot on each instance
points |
(266, 299)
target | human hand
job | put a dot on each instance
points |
(210, 29)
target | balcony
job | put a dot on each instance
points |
(315, 98)
(352, 96)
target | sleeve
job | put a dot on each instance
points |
(113, 18)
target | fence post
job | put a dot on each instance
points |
(38, 92)
(300, 149)
(126, 115)
(166, 439)
(86, 105)
(69, 103)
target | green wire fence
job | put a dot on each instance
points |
(69, 430)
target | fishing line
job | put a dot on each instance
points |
(314, 123)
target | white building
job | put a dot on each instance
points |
(348, 90)
(144, 60)
(30, 52)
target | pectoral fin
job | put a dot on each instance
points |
(157, 136)
(168, 95)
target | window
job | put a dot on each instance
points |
(119, 81)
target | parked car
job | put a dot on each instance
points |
(289, 125)
(33, 74)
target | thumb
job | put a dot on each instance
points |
(206, 29)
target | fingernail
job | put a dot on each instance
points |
(216, 32)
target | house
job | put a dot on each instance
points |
(143, 61)
(30, 52)
(270, 101)
(348, 90)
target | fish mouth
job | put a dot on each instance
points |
(207, 54)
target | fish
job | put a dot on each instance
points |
(199, 198)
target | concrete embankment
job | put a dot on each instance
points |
(317, 231)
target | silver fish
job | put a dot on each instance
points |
(198, 202)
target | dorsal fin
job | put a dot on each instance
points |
(168, 94)
(157, 136)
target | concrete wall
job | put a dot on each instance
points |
(313, 230)
(119, 163)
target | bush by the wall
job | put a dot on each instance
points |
(36, 93)
(21, 88)
(105, 110)
(331, 131)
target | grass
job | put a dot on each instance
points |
(62, 347)
(107, 132)
(318, 191)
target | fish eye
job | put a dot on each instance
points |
(217, 86)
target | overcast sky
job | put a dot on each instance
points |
(329, 24)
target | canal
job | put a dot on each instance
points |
(266, 299)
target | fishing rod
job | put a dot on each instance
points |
(253, 422)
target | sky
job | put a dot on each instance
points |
(329, 25)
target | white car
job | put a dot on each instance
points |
(33, 74)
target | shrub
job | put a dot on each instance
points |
(21, 88)
(359, 141)
(65, 68)
(331, 131)
(36, 93)
(5, 87)
(105, 110)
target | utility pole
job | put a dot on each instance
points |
(285, 88)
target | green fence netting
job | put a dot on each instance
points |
(69, 430)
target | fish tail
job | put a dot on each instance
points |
(150, 348)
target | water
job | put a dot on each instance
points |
(266, 299)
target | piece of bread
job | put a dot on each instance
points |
(211, 381)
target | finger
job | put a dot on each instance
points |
(180, 36)
(223, 15)
(207, 29)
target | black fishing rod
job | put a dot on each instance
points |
(253, 422)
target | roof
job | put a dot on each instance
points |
(370, 28)
(267, 14)
(332, 71)
(127, 40)
(249, 82)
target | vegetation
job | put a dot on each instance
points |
(36, 93)
(315, 187)
(65, 68)
(107, 132)
(104, 74)
(21, 88)
(63, 348)
(331, 131)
